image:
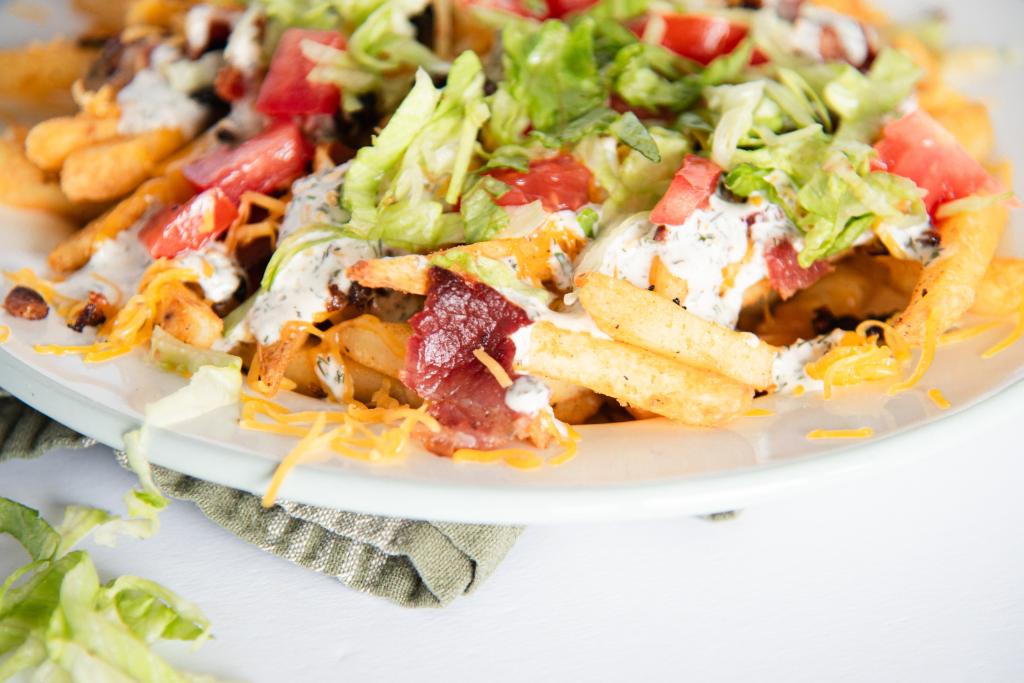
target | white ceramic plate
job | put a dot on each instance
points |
(635, 470)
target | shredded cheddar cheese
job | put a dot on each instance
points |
(520, 458)
(1018, 331)
(133, 324)
(799, 390)
(759, 412)
(494, 367)
(862, 433)
(965, 333)
(931, 338)
(116, 303)
(5, 334)
(938, 399)
(350, 434)
(242, 231)
(856, 359)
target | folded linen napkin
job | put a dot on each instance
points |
(410, 562)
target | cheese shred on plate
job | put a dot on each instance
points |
(859, 358)
(564, 435)
(1018, 331)
(931, 339)
(350, 434)
(938, 399)
(862, 433)
(5, 334)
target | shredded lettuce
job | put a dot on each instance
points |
(484, 219)
(170, 353)
(58, 621)
(380, 55)
(863, 100)
(651, 77)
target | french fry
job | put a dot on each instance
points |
(634, 376)
(50, 142)
(367, 381)
(645, 320)
(948, 284)
(76, 250)
(23, 185)
(183, 314)
(270, 363)
(106, 17)
(402, 273)
(1001, 291)
(378, 345)
(666, 284)
(572, 403)
(41, 74)
(112, 169)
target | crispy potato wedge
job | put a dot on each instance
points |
(634, 376)
(183, 314)
(75, 251)
(24, 185)
(1001, 291)
(948, 284)
(52, 141)
(572, 403)
(112, 169)
(41, 74)
(367, 381)
(402, 273)
(375, 344)
(648, 321)
(271, 362)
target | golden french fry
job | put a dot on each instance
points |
(572, 403)
(75, 251)
(648, 321)
(23, 185)
(402, 273)
(375, 344)
(106, 17)
(634, 376)
(367, 381)
(42, 73)
(183, 314)
(948, 284)
(666, 284)
(112, 169)
(50, 142)
(1001, 291)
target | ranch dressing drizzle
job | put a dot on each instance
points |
(120, 260)
(219, 275)
(724, 235)
(149, 102)
(813, 21)
(528, 395)
(788, 367)
(303, 286)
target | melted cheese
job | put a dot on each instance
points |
(938, 399)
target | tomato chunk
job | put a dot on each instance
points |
(701, 39)
(270, 161)
(917, 147)
(559, 183)
(286, 91)
(189, 226)
(693, 183)
(560, 8)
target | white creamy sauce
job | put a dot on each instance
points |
(244, 50)
(149, 102)
(527, 395)
(912, 242)
(243, 121)
(724, 235)
(200, 18)
(121, 260)
(561, 267)
(808, 27)
(302, 286)
(788, 367)
(315, 199)
(189, 76)
(219, 275)
(331, 373)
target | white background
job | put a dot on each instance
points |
(915, 573)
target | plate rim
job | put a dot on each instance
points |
(355, 491)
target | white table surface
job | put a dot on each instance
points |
(914, 573)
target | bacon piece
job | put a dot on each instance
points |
(458, 317)
(92, 314)
(25, 302)
(786, 275)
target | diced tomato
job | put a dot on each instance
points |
(286, 91)
(558, 182)
(270, 161)
(560, 8)
(702, 39)
(917, 147)
(189, 226)
(693, 183)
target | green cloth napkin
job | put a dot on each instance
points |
(412, 563)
